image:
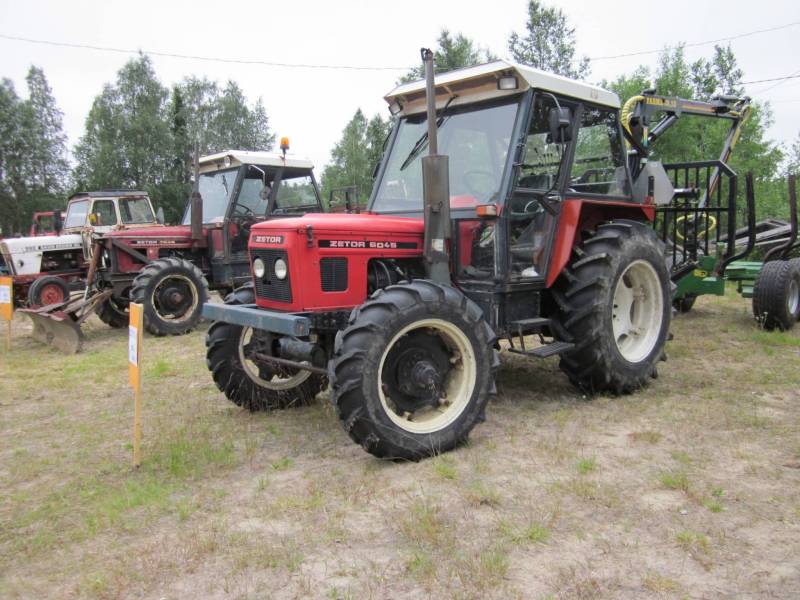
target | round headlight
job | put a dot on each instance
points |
(259, 268)
(280, 269)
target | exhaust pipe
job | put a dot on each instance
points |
(435, 190)
(196, 201)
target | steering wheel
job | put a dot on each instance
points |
(246, 212)
(480, 183)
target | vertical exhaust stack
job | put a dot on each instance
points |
(435, 191)
(196, 202)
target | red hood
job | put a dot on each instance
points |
(160, 231)
(340, 223)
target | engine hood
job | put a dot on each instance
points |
(155, 231)
(26, 245)
(363, 223)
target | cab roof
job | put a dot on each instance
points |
(480, 83)
(111, 193)
(214, 162)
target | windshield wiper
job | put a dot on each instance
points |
(422, 142)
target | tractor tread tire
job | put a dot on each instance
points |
(35, 290)
(354, 369)
(222, 359)
(584, 293)
(144, 284)
(109, 315)
(770, 294)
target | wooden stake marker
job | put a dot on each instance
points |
(135, 377)
(7, 305)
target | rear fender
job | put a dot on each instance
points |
(579, 215)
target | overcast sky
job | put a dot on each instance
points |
(312, 106)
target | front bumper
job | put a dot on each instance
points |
(248, 315)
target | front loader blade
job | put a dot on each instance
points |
(58, 330)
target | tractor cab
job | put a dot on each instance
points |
(240, 188)
(108, 210)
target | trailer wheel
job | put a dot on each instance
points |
(616, 306)
(413, 371)
(172, 291)
(251, 385)
(684, 304)
(113, 312)
(47, 290)
(776, 295)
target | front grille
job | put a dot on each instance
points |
(333, 274)
(270, 287)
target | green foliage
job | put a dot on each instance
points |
(33, 153)
(452, 52)
(354, 157)
(141, 135)
(548, 43)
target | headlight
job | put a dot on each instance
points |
(280, 269)
(259, 268)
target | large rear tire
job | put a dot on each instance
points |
(248, 384)
(47, 290)
(172, 291)
(616, 307)
(776, 295)
(413, 371)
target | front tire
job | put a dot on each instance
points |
(113, 312)
(245, 383)
(616, 307)
(413, 371)
(47, 290)
(172, 291)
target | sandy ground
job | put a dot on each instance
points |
(688, 489)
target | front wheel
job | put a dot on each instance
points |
(615, 304)
(172, 292)
(414, 370)
(47, 290)
(245, 381)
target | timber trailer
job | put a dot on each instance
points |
(170, 269)
(523, 219)
(699, 225)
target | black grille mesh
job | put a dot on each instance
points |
(333, 274)
(270, 287)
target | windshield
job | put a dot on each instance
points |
(296, 191)
(476, 139)
(76, 214)
(215, 188)
(135, 210)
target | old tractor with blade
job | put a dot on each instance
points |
(171, 269)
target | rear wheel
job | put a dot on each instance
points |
(615, 304)
(172, 291)
(47, 290)
(776, 295)
(245, 381)
(414, 370)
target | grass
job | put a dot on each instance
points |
(557, 495)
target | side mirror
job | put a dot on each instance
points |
(560, 125)
(160, 215)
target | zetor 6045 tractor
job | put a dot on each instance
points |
(539, 228)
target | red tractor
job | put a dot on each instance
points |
(524, 219)
(170, 269)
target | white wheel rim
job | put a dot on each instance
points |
(276, 382)
(459, 385)
(793, 297)
(187, 315)
(637, 311)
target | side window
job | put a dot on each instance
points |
(104, 213)
(77, 213)
(295, 192)
(253, 196)
(599, 166)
